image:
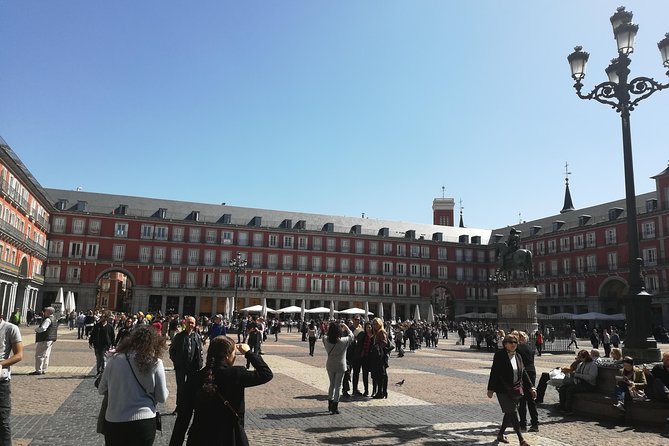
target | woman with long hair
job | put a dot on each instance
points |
(378, 360)
(336, 342)
(363, 343)
(508, 378)
(216, 395)
(134, 380)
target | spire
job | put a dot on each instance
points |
(462, 223)
(568, 205)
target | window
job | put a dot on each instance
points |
(415, 251)
(316, 285)
(554, 267)
(287, 241)
(144, 254)
(287, 261)
(345, 245)
(121, 229)
(554, 289)
(331, 244)
(273, 243)
(542, 269)
(611, 236)
(73, 274)
(159, 254)
(566, 265)
(78, 226)
(566, 289)
(178, 234)
(580, 265)
(329, 286)
(257, 239)
(146, 232)
(590, 240)
(481, 256)
(344, 287)
(580, 288)
(94, 226)
(286, 283)
(442, 253)
(228, 238)
(160, 233)
(58, 223)
(330, 264)
(75, 250)
(118, 253)
(442, 272)
(373, 248)
(387, 248)
(401, 269)
(373, 267)
(193, 256)
(425, 271)
(592, 263)
(648, 229)
(373, 288)
(256, 282)
(92, 250)
(316, 264)
(210, 236)
(401, 250)
(415, 290)
(272, 261)
(271, 283)
(317, 243)
(177, 254)
(459, 255)
(302, 243)
(359, 246)
(53, 272)
(387, 289)
(191, 279)
(194, 235)
(301, 284)
(210, 257)
(175, 279)
(552, 246)
(359, 287)
(344, 265)
(359, 266)
(578, 241)
(540, 248)
(243, 238)
(224, 280)
(414, 268)
(387, 268)
(564, 244)
(649, 256)
(302, 263)
(425, 252)
(401, 289)
(460, 273)
(157, 278)
(652, 283)
(55, 248)
(612, 258)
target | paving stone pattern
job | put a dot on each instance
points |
(441, 402)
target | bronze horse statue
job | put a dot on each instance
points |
(518, 260)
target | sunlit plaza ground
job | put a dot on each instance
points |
(442, 401)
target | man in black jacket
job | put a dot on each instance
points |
(101, 340)
(658, 380)
(527, 354)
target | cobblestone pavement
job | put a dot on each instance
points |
(442, 401)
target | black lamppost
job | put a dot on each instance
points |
(624, 95)
(237, 265)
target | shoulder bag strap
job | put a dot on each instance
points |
(137, 379)
(228, 405)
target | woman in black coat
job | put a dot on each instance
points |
(216, 394)
(507, 379)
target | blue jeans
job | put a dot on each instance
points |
(5, 411)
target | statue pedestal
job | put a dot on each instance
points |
(517, 309)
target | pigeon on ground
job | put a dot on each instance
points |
(399, 383)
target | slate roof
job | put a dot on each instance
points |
(98, 203)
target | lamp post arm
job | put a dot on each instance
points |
(604, 93)
(643, 87)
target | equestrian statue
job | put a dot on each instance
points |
(511, 258)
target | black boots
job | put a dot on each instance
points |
(335, 408)
(330, 405)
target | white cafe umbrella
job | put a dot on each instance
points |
(332, 310)
(393, 312)
(302, 309)
(430, 314)
(367, 310)
(319, 310)
(380, 312)
(290, 310)
(257, 309)
(228, 313)
(59, 298)
(263, 313)
(354, 310)
(416, 316)
(69, 302)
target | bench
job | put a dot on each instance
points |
(599, 404)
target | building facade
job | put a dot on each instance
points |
(24, 226)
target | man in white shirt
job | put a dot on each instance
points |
(11, 352)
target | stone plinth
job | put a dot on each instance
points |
(517, 309)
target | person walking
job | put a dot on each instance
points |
(134, 381)
(46, 335)
(539, 341)
(507, 380)
(527, 403)
(336, 343)
(311, 331)
(573, 340)
(101, 340)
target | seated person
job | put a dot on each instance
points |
(583, 380)
(596, 356)
(546, 378)
(658, 380)
(628, 382)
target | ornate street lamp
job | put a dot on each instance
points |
(237, 265)
(623, 96)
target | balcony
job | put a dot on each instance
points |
(12, 194)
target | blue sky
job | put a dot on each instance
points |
(339, 108)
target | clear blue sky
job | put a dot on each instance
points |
(332, 107)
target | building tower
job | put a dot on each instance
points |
(442, 210)
(568, 205)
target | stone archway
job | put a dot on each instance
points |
(611, 293)
(23, 267)
(114, 290)
(443, 301)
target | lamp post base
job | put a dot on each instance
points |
(638, 342)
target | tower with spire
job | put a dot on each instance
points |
(568, 205)
(462, 223)
(442, 210)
